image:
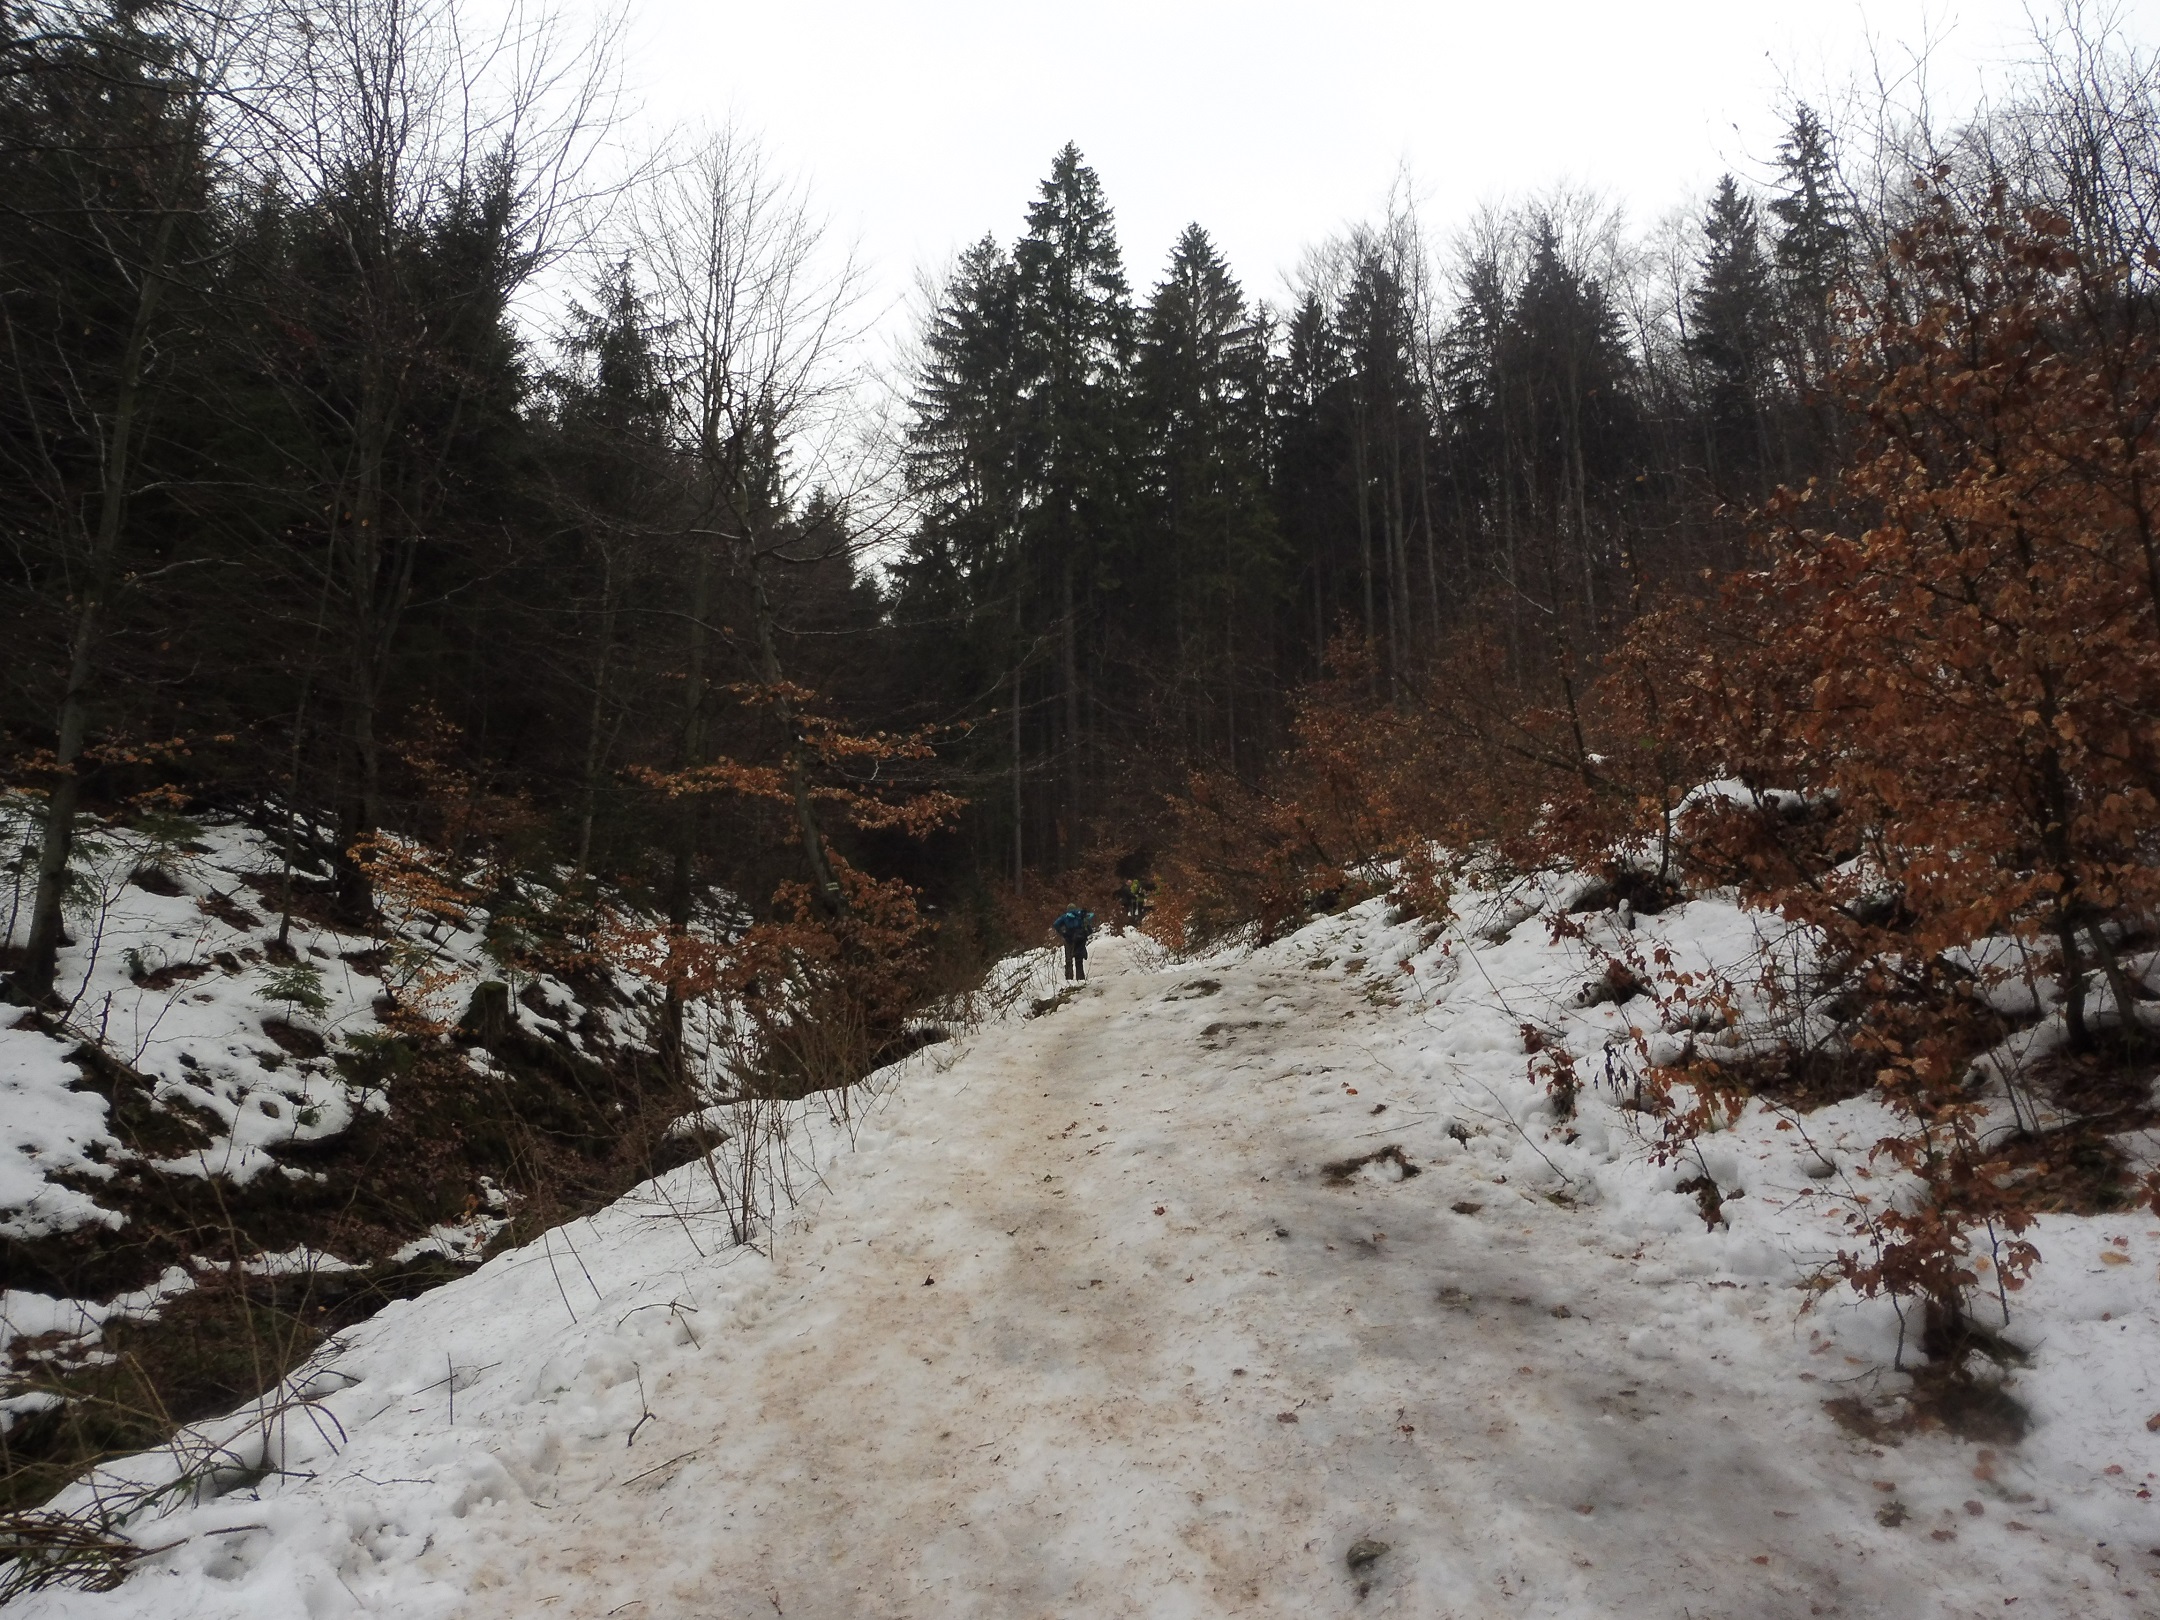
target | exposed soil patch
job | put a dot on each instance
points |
(146, 1126)
(1645, 895)
(228, 911)
(1709, 1199)
(1342, 1170)
(908, 1042)
(156, 880)
(2077, 1171)
(205, 1352)
(1970, 1408)
(293, 1040)
(1803, 1080)
(173, 973)
(2110, 1085)
(811, 1058)
(1617, 985)
(313, 900)
(565, 1133)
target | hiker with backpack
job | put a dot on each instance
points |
(1134, 895)
(1075, 927)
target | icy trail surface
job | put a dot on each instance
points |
(1082, 1324)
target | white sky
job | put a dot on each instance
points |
(920, 124)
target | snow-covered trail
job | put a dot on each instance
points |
(1081, 1325)
(1094, 1337)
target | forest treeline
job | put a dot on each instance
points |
(304, 516)
(1153, 516)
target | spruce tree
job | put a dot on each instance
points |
(610, 470)
(1570, 425)
(106, 216)
(1076, 341)
(1730, 338)
(1308, 459)
(1814, 239)
(1386, 425)
(962, 593)
(964, 442)
(1201, 382)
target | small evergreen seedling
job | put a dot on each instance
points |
(298, 986)
(166, 837)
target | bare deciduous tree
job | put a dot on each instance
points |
(420, 174)
(756, 314)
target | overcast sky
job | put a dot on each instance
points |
(920, 124)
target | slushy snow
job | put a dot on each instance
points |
(1267, 1284)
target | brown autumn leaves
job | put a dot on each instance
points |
(1947, 658)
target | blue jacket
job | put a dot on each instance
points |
(1074, 926)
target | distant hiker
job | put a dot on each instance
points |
(1075, 927)
(1134, 895)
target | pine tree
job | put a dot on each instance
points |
(1201, 379)
(1731, 337)
(1814, 238)
(1308, 458)
(1386, 419)
(1076, 341)
(1569, 419)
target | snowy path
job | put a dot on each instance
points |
(1082, 1329)
(1008, 1387)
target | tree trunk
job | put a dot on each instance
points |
(595, 726)
(1364, 521)
(1019, 797)
(1069, 657)
(358, 549)
(1019, 780)
(831, 899)
(2072, 979)
(674, 1050)
(34, 979)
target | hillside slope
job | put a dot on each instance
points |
(1264, 1285)
(234, 1131)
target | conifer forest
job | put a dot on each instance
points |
(491, 620)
